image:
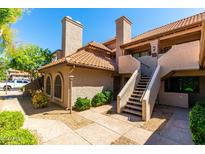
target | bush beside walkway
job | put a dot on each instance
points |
(197, 123)
(11, 132)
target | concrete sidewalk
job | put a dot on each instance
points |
(175, 132)
(101, 128)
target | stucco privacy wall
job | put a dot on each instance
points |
(173, 99)
(182, 99)
(180, 57)
(88, 82)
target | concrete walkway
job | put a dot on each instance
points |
(105, 129)
(49, 131)
(175, 132)
(53, 132)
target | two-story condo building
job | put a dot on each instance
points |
(164, 65)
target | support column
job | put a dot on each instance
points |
(154, 48)
(202, 46)
(154, 51)
(71, 77)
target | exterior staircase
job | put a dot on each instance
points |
(134, 104)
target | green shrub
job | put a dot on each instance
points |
(99, 99)
(11, 120)
(197, 123)
(17, 137)
(108, 94)
(82, 104)
(39, 99)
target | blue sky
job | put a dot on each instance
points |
(43, 26)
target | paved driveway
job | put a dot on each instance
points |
(99, 127)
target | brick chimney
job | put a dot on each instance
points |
(72, 33)
(123, 34)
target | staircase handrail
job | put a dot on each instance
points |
(146, 87)
(127, 90)
(150, 95)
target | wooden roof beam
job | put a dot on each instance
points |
(202, 46)
(176, 34)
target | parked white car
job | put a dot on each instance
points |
(13, 84)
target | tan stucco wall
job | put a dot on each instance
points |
(194, 73)
(150, 96)
(128, 64)
(182, 99)
(72, 35)
(53, 72)
(127, 90)
(86, 83)
(173, 99)
(123, 35)
(180, 57)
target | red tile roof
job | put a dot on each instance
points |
(99, 45)
(171, 27)
(88, 57)
(59, 61)
(92, 59)
(100, 60)
(166, 28)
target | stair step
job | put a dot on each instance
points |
(138, 113)
(138, 88)
(134, 98)
(145, 77)
(137, 91)
(134, 102)
(134, 107)
(136, 95)
(142, 83)
(144, 80)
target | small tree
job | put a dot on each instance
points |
(29, 58)
(3, 68)
(7, 17)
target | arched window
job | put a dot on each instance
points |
(58, 87)
(48, 85)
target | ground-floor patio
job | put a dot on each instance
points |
(54, 125)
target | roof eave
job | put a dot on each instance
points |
(91, 67)
(44, 68)
(156, 36)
